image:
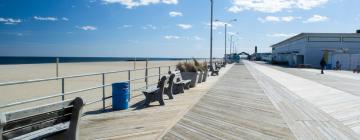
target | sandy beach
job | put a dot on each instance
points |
(13, 93)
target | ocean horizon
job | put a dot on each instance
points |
(7, 60)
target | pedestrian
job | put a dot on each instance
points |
(338, 65)
(322, 65)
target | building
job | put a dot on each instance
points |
(309, 48)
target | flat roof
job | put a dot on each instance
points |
(301, 35)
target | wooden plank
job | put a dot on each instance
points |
(235, 108)
(307, 120)
(144, 123)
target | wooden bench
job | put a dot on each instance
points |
(155, 93)
(214, 72)
(179, 84)
(217, 66)
(53, 121)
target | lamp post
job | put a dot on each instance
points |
(211, 31)
(226, 24)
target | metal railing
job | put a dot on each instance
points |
(103, 85)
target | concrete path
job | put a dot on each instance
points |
(312, 110)
(235, 108)
(340, 80)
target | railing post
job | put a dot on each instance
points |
(63, 89)
(129, 78)
(134, 63)
(57, 67)
(146, 73)
(159, 73)
(103, 91)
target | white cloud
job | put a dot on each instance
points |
(191, 38)
(45, 18)
(149, 26)
(273, 6)
(184, 26)
(316, 18)
(126, 26)
(170, 37)
(278, 19)
(65, 19)
(136, 3)
(175, 14)
(170, 1)
(10, 21)
(219, 24)
(281, 35)
(88, 28)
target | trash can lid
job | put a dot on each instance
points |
(121, 85)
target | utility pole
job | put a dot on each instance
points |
(211, 31)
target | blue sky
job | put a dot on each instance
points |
(161, 28)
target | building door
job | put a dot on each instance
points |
(299, 59)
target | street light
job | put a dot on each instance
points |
(226, 23)
(232, 43)
(211, 31)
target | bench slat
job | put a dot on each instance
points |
(37, 118)
(44, 132)
(10, 116)
(31, 128)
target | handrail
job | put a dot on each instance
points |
(103, 85)
(81, 90)
(73, 76)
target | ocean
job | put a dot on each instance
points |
(6, 60)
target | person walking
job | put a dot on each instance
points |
(322, 65)
(338, 65)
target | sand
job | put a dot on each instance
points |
(13, 93)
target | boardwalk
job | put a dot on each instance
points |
(235, 108)
(145, 124)
(247, 101)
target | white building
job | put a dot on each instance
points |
(309, 48)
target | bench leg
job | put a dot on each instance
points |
(159, 97)
(187, 86)
(182, 88)
(169, 93)
(147, 100)
(162, 102)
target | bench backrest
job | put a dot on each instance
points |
(15, 124)
(177, 76)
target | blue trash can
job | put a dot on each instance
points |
(120, 96)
